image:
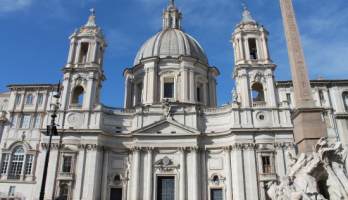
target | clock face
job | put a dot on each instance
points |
(75, 120)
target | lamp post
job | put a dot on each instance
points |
(51, 131)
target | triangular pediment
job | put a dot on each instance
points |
(167, 127)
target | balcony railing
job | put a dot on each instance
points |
(66, 176)
(259, 104)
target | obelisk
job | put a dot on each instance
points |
(307, 120)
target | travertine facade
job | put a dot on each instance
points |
(170, 140)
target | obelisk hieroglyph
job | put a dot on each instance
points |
(308, 123)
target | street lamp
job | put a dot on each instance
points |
(51, 131)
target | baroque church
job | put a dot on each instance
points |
(171, 141)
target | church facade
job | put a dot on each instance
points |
(170, 141)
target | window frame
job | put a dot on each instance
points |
(18, 99)
(169, 82)
(29, 99)
(28, 164)
(255, 88)
(40, 99)
(28, 124)
(253, 53)
(345, 100)
(269, 153)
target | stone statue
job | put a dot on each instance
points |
(319, 175)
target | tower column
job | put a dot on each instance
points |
(135, 174)
(149, 174)
(182, 189)
(308, 125)
(228, 173)
(194, 176)
(192, 85)
(77, 52)
(184, 88)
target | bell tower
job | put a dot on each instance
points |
(83, 73)
(253, 70)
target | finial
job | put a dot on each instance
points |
(91, 19)
(92, 10)
(247, 17)
(171, 4)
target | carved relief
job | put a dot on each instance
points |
(75, 120)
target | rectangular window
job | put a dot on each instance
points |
(28, 164)
(266, 164)
(16, 166)
(18, 99)
(139, 93)
(25, 122)
(83, 52)
(29, 99)
(67, 161)
(11, 191)
(321, 97)
(37, 122)
(166, 188)
(252, 48)
(116, 194)
(288, 98)
(4, 163)
(169, 88)
(40, 99)
(216, 194)
(14, 121)
(199, 93)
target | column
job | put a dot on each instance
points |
(265, 47)
(77, 55)
(204, 177)
(192, 86)
(238, 173)
(135, 174)
(195, 194)
(149, 175)
(182, 189)
(95, 52)
(205, 92)
(241, 49)
(184, 87)
(127, 93)
(251, 181)
(228, 173)
(145, 95)
(71, 51)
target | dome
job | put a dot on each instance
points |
(171, 42)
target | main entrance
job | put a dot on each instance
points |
(165, 188)
(116, 194)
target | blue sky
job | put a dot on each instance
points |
(34, 36)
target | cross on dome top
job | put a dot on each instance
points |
(91, 19)
(171, 16)
(247, 17)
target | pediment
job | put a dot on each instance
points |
(167, 127)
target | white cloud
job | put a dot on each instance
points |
(13, 5)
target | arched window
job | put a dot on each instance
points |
(17, 163)
(29, 99)
(77, 97)
(345, 100)
(257, 92)
(63, 191)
